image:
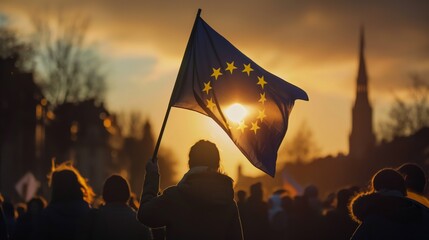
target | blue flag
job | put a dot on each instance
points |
(250, 104)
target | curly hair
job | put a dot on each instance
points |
(67, 184)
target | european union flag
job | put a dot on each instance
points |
(250, 104)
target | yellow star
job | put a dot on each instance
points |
(210, 104)
(261, 115)
(216, 73)
(262, 99)
(241, 126)
(261, 81)
(255, 127)
(230, 67)
(207, 87)
(247, 69)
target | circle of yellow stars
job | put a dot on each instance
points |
(247, 69)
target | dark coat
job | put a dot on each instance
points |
(389, 217)
(113, 221)
(256, 225)
(201, 206)
(338, 225)
(26, 226)
(61, 220)
(4, 235)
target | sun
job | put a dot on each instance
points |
(236, 112)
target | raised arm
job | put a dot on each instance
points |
(152, 205)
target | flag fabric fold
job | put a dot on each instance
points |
(250, 104)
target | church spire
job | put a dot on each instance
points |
(362, 79)
(362, 137)
(362, 40)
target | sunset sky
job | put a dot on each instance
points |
(311, 44)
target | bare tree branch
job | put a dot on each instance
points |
(68, 68)
(301, 147)
(408, 115)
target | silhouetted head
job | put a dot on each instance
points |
(21, 209)
(415, 177)
(68, 185)
(343, 198)
(204, 154)
(287, 203)
(36, 205)
(311, 192)
(256, 191)
(388, 179)
(300, 204)
(241, 195)
(116, 189)
(8, 209)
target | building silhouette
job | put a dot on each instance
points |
(362, 138)
(81, 132)
(135, 153)
(22, 115)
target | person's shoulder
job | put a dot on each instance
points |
(361, 204)
(418, 198)
(211, 176)
(170, 191)
(225, 178)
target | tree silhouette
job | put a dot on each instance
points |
(138, 149)
(410, 114)
(14, 50)
(69, 70)
(301, 147)
(22, 111)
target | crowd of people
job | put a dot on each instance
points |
(392, 207)
(203, 205)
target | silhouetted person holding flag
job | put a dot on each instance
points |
(201, 206)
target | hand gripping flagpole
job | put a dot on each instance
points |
(167, 113)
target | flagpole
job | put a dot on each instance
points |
(167, 113)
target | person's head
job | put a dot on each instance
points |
(21, 209)
(388, 179)
(204, 154)
(256, 191)
(116, 190)
(275, 201)
(343, 198)
(287, 203)
(9, 209)
(36, 205)
(311, 192)
(414, 176)
(67, 184)
(241, 196)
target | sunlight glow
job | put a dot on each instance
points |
(236, 112)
